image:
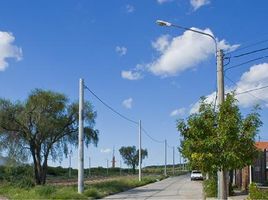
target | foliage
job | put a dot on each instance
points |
(45, 191)
(256, 193)
(219, 140)
(42, 126)
(20, 176)
(131, 156)
(210, 187)
(92, 191)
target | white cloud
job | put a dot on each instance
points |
(8, 50)
(128, 103)
(256, 77)
(194, 108)
(130, 8)
(131, 75)
(161, 43)
(178, 112)
(199, 3)
(183, 52)
(227, 47)
(121, 50)
(107, 150)
(163, 1)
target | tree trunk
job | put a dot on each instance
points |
(134, 169)
(39, 170)
(44, 170)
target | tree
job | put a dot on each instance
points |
(222, 140)
(42, 126)
(131, 156)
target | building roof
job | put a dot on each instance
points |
(262, 145)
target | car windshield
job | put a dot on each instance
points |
(196, 172)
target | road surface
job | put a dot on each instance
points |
(180, 187)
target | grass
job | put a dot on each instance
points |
(92, 191)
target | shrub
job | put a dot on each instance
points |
(45, 191)
(210, 187)
(93, 193)
(256, 193)
(67, 193)
(20, 176)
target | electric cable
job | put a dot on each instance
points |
(251, 90)
(148, 135)
(112, 109)
(249, 61)
(250, 52)
(250, 45)
(247, 92)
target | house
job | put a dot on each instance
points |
(256, 173)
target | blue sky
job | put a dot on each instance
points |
(146, 72)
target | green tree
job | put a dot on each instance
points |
(220, 140)
(130, 156)
(43, 126)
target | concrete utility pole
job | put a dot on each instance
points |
(113, 159)
(222, 175)
(165, 158)
(173, 161)
(89, 166)
(81, 139)
(70, 164)
(140, 150)
(107, 167)
(120, 167)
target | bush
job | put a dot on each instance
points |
(256, 193)
(67, 193)
(93, 193)
(20, 176)
(210, 187)
(45, 191)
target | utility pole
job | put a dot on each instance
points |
(81, 138)
(107, 167)
(89, 166)
(140, 150)
(120, 167)
(180, 160)
(222, 178)
(113, 159)
(70, 164)
(165, 158)
(173, 161)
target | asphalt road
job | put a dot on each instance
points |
(180, 187)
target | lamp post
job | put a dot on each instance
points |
(222, 182)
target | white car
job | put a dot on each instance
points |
(196, 175)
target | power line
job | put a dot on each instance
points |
(246, 93)
(148, 135)
(251, 52)
(250, 45)
(238, 65)
(109, 107)
(251, 90)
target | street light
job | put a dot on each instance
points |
(222, 175)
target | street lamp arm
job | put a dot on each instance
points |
(164, 23)
(200, 32)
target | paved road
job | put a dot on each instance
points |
(180, 187)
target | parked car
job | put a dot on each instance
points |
(196, 175)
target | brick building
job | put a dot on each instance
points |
(256, 173)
